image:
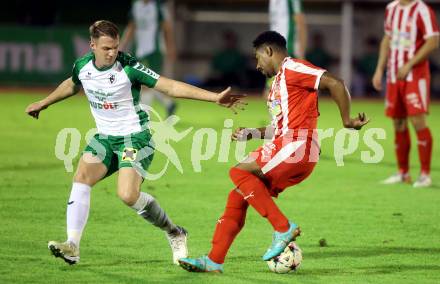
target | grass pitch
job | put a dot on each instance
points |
(373, 233)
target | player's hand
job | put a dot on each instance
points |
(357, 122)
(233, 102)
(34, 109)
(377, 80)
(403, 71)
(242, 134)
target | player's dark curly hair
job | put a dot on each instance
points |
(103, 28)
(271, 38)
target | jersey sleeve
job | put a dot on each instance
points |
(75, 73)
(138, 73)
(78, 65)
(302, 74)
(163, 13)
(387, 22)
(427, 22)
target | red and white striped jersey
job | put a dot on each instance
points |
(293, 98)
(408, 27)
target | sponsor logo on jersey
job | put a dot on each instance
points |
(104, 105)
(100, 95)
(275, 107)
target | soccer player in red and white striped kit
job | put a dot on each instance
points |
(411, 35)
(287, 159)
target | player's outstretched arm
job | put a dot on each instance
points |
(182, 90)
(341, 96)
(66, 89)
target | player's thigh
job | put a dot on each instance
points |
(250, 165)
(129, 183)
(136, 151)
(273, 155)
(294, 168)
(417, 96)
(100, 149)
(90, 170)
(394, 101)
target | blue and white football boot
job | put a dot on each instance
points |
(201, 264)
(281, 240)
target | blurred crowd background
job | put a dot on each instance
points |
(39, 40)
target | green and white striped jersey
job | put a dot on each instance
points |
(281, 13)
(114, 92)
(148, 17)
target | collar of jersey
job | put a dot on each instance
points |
(102, 68)
(407, 5)
(281, 66)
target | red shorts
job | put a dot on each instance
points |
(286, 163)
(405, 98)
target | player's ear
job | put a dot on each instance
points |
(269, 51)
(92, 43)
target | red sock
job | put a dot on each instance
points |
(402, 143)
(228, 226)
(424, 142)
(257, 195)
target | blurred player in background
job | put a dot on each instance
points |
(112, 82)
(285, 161)
(149, 20)
(287, 18)
(411, 35)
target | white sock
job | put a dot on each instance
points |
(77, 211)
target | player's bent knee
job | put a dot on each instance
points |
(419, 122)
(400, 124)
(82, 177)
(129, 197)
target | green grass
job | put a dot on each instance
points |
(375, 233)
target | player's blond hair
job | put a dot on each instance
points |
(103, 28)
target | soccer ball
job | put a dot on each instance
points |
(288, 261)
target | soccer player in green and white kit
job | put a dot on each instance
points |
(287, 18)
(112, 82)
(149, 19)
